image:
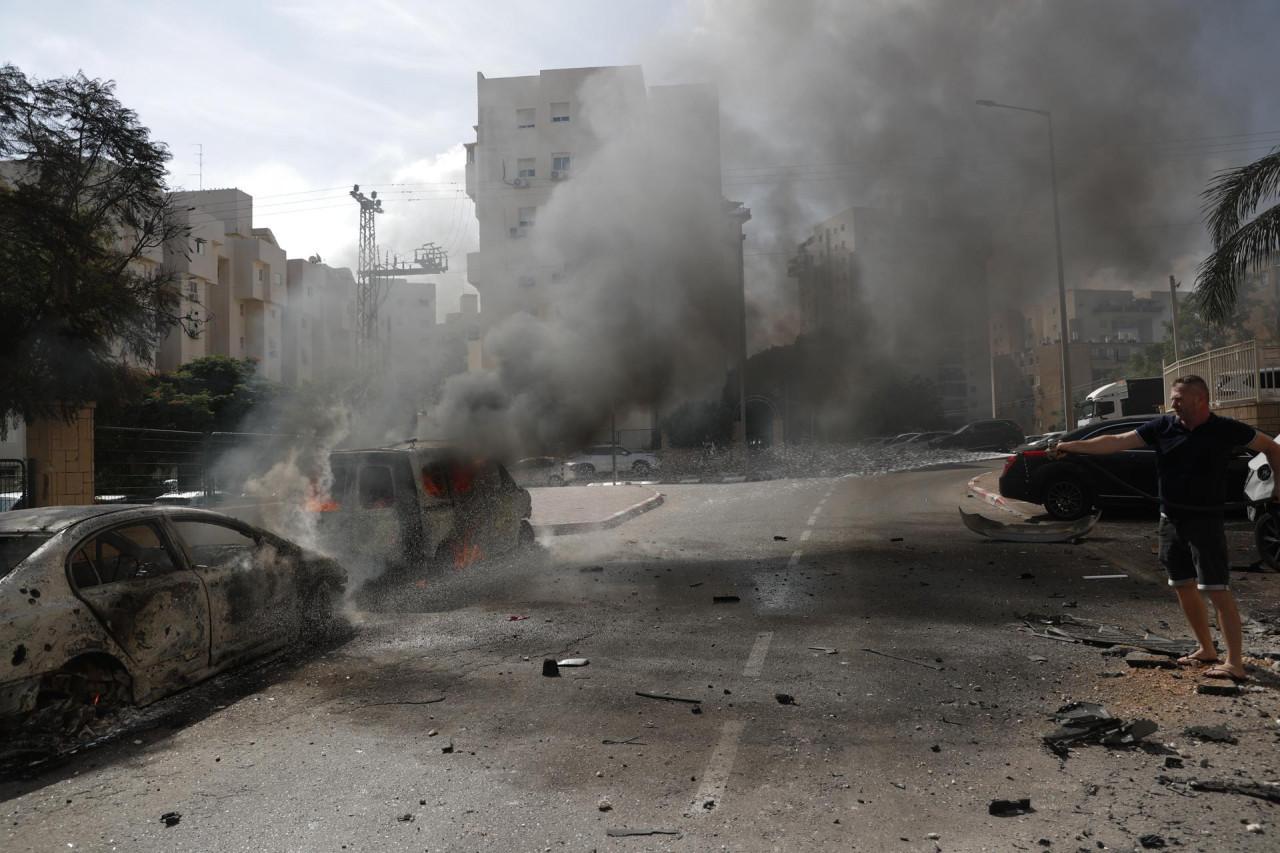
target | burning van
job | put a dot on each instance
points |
(416, 502)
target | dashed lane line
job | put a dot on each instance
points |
(804, 537)
(755, 660)
(795, 558)
(715, 777)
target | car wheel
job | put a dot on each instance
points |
(73, 697)
(1067, 499)
(527, 535)
(641, 467)
(1266, 535)
(555, 480)
(585, 469)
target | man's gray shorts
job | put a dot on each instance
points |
(1195, 549)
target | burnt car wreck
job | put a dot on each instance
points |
(417, 503)
(108, 605)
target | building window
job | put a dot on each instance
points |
(200, 245)
(525, 167)
(262, 274)
(306, 357)
(273, 313)
(241, 307)
(193, 289)
(275, 279)
(524, 118)
(526, 216)
(560, 163)
(471, 153)
(560, 112)
(242, 344)
(272, 352)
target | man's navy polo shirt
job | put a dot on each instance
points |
(1192, 463)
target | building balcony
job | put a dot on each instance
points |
(471, 181)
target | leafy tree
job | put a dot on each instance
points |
(1239, 244)
(209, 394)
(83, 217)
(1195, 334)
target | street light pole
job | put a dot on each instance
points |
(1068, 411)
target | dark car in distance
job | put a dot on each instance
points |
(993, 435)
(1070, 487)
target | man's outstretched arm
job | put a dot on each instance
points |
(1103, 445)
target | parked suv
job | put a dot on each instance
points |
(982, 435)
(599, 457)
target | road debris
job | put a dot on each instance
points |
(1217, 690)
(573, 662)
(779, 539)
(550, 668)
(1269, 791)
(896, 538)
(624, 833)
(785, 698)
(632, 741)
(604, 805)
(407, 817)
(1063, 627)
(667, 698)
(1214, 734)
(1103, 577)
(725, 599)
(1140, 660)
(1010, 808)
(825, 649)
(1088, 722)
(585, 569)
(1044, 532)
(1152, 842)
(171, 818)
(516, 618)
(938, 666)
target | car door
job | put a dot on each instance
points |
(251, 587)
(151, 604)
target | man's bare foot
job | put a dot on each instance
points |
(1227, 672)
(1199, 657)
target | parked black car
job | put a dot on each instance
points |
(982, 435)
(1069, 487)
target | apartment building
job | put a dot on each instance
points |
(319, 323)
(560, 131)
(916, 281)
(1106, 328)
(246, 296)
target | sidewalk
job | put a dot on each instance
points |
(563, 510)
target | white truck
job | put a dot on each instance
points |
(1120, 399)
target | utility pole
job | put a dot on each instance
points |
(200, 163)
(1173, 295)
(367, 284)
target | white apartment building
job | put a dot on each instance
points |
(540, 135)
(320, 322)
(246, 296)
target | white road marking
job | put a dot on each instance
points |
(755, 660)
(795, 558)
(817, 510)
(715, 776)
(812, 520)
(804, 537)
(821, 502)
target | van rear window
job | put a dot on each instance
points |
(376, 489)
(435, 481)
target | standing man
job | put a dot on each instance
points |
(1192, 447)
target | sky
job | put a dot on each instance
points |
(827, 104)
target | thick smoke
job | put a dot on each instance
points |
(830, 104)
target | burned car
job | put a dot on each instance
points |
(107, 605)
(418, 502)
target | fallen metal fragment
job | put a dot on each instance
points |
(1087, 722)
(785, 698)
(1010, 808)
(1070, 629)
(407, 817)
(623, 833)
(1269, 791)
(635, 741)
(1137, 660)
(1217, 690)
(725, 599)
(938, 667)
(668, 698)
(1216, 734)
(550, 668)
(779, 539)
(171, 818)
(1051, 531)
(591, 569)
(573, 662)
(1152, 842)
(826, 649)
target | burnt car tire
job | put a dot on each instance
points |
(80, 693)
(1066, 499)
(527, 535)
(1266, 536)
(585, 469)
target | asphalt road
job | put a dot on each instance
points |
(430, 726)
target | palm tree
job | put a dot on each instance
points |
(1239, 244)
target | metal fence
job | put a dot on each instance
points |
(139, 465)
(1240, 373)
(13, 485)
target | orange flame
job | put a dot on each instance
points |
(323, 506)
(465, 553)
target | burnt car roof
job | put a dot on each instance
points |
(55, 519)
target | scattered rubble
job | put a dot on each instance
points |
(1073, 630)
(1214, 734)
(725, 599)
(1087, 722)
(573, 662)
(1141, 660)
(550, 668)
(785, 698)
(1010, 808)
(1269, 791)
(1217, 690)
(624, 833)
(667, 698)
(171, 818)
(938, 666)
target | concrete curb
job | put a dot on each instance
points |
(655, 500)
